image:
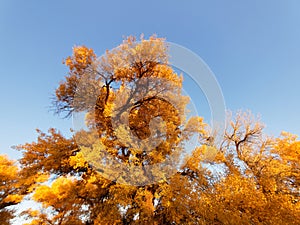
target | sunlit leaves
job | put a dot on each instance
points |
(9, 192)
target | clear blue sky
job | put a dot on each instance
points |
(253, 47)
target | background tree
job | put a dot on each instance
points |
(15, 186)
(9, 189)
(260, 184)
(245, 178)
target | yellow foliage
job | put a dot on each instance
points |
(77, 161)
(13, 198)
(10, 191)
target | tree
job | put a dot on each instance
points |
(105, 88)
(8, 189)
(15, 186)
(261, 181)
(243, 179)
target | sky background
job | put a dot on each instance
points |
(253, 48)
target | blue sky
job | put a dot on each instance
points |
(253, 48)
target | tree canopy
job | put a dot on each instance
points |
(125, 167)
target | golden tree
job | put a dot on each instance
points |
(9, 189)
(118, 171)
(260, 184)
